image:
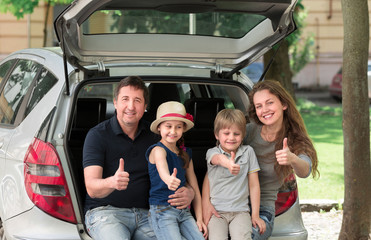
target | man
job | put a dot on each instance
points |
(116, 172)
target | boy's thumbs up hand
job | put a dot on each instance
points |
(233, 168)
(173, 182)
(121, 178)
(283, 156)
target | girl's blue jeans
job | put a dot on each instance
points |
(171, 223)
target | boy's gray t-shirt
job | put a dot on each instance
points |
(229, 193)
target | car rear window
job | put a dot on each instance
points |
(218, 24)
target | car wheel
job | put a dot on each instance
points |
(2, 235)
(337, 99)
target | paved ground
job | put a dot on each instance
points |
(321, 219)
(324, 225)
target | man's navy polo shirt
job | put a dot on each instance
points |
(104, 145)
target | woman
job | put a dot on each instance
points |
(281, 143)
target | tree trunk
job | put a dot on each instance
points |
(356, 121)
(46, 23)
(280, 69)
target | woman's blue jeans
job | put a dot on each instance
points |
(267, 214)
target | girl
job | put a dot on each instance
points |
(281, 143)
(170, 166)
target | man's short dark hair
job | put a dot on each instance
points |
(135, 82)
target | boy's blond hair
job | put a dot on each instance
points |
(227, 117)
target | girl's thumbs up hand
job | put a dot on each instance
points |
(173, 182)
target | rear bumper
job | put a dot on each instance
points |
(35, 224)
(289, 225)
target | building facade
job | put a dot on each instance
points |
(28, 32)
(325, 22)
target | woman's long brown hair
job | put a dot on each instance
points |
(293, 127)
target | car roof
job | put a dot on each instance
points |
(176, 31)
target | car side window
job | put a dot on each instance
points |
(4, 68)
(44, 82)
(184, 92)
(222, 91)
(15, 89)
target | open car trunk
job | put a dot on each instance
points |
(219, 34)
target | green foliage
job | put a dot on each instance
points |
(18, 7)
(322, 211)
(21, 7)
(301, 54)
(339, 206)
(301, 48)
(299, 17)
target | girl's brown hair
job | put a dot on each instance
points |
(182, 153)
(293, 127)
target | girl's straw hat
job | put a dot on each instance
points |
(169, 111)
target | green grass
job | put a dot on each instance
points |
(324, 125)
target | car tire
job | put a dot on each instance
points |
(2, 234)
(337, 99)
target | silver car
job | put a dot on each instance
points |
(191, 51)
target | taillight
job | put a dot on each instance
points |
(287, 195)
(45, 181)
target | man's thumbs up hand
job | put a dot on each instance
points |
(173, 182)
(121, 178)
(121, 165)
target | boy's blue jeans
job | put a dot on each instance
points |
(111, 223)
(171, 223)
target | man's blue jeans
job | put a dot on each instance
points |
(171, 223)
(111, 223)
